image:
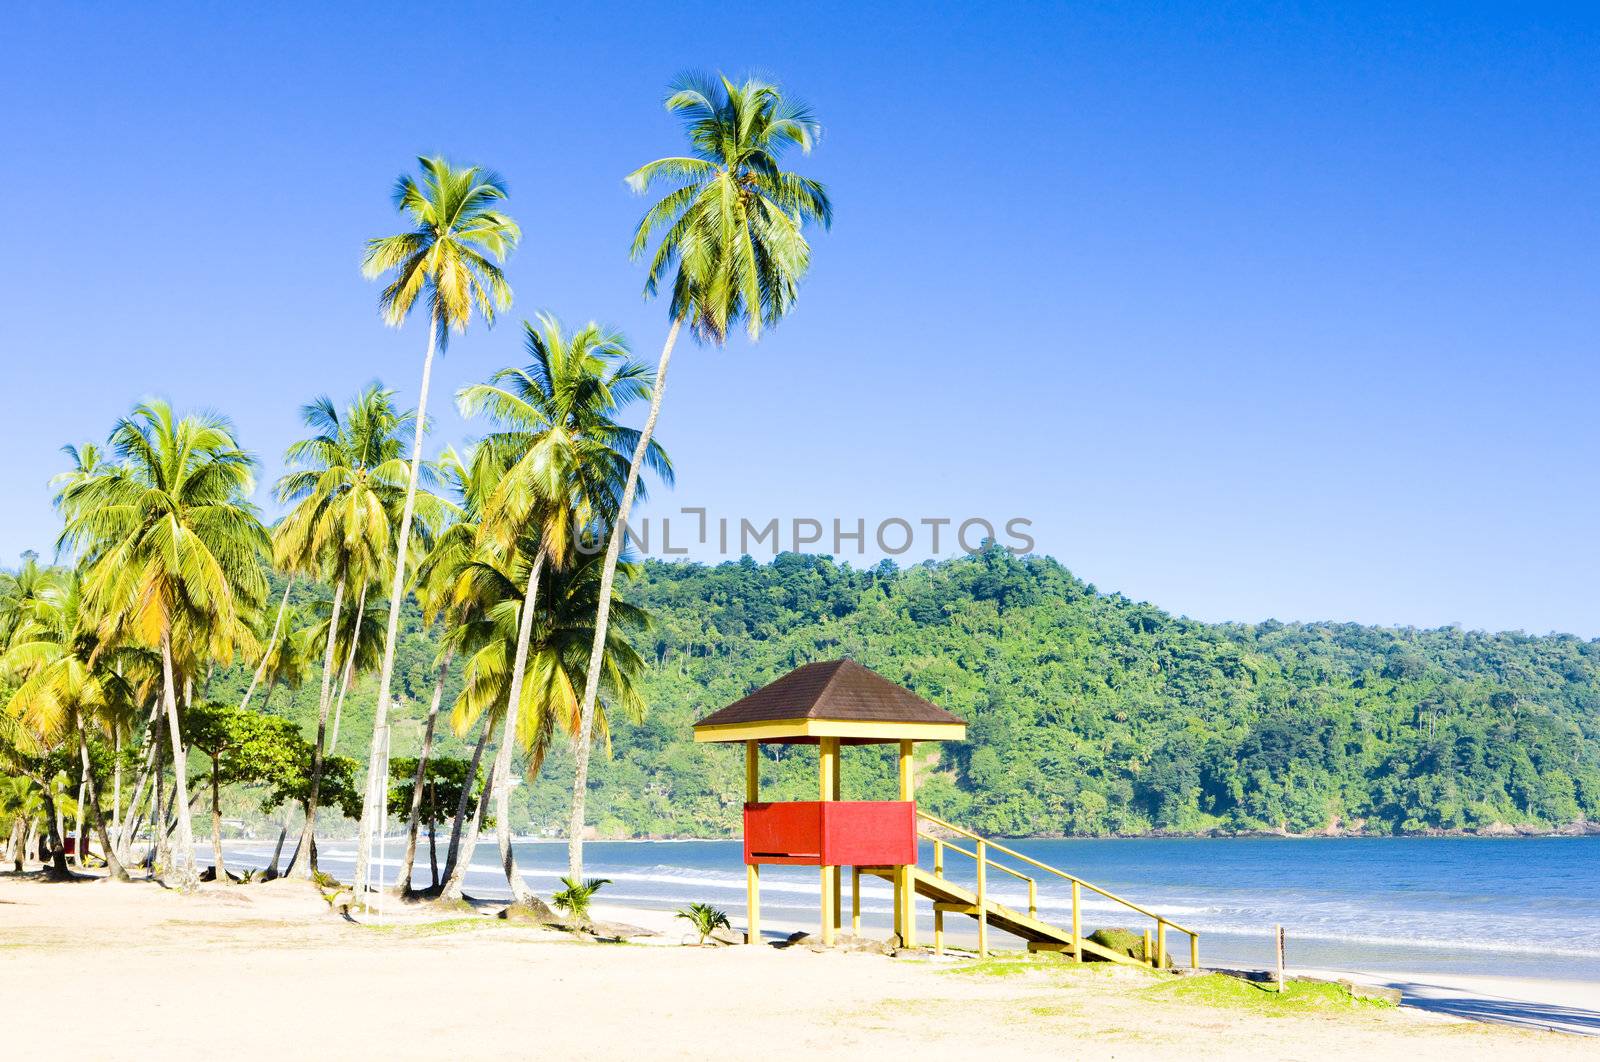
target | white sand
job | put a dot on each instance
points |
(248, 972)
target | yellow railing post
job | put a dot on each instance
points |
(1077, 924)
(938, 859)
(1033, 899)
(1194, 951)
(855, 901)
(983, 901)
(1161, 945)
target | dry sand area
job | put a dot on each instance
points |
(134, 971)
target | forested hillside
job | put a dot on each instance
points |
(1089, 713)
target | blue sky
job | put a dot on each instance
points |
(1254, 310)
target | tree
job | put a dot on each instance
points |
(566, 458)
(444, 785)
(347, 485)
(732, 236)
(451, 258)
(66, 679)
(172, 553)
(561, 634)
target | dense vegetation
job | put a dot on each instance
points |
(1090, 713)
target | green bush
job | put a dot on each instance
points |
(1117, 939)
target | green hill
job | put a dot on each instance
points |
(1089, 713)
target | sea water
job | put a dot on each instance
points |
(1513, 906)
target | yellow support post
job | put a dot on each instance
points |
(983, 900)
(938, 859)
(855, 901)
(752, 885)
(1194, 952)
(1161, 945)
(829, 786)
(1033, 899)
(938, 930)
(899, 880)
(1077, 924)
(905, 893)
(752, 872)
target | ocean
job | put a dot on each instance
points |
(1514, 906)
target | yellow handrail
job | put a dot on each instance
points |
(973, 855)
(1054, 870)
(981, 857)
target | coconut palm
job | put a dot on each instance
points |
(347, 485)
(732, 247)
(566, 459)
(451, 258)
(288, 664)
(359, 644)
(71, 682)
(462, 494)
(171, 553)
(576, 896)
(561, 635)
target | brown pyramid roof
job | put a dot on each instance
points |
(837, 690)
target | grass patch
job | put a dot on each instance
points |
(433, 929)
(1298, 997)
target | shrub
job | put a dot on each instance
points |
(705, 919)
(574, 898)
(1117, 939)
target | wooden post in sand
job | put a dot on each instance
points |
(1278, 936)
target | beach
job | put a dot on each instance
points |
(251, 970)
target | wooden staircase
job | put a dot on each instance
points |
(950, 897)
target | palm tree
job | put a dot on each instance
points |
(561, 635)
(172, 554)
(436, 575)
(732, 238)
(347, 487)
(359, 642)
(451, 256)
(567, 457)
(68, 679)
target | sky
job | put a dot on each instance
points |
(1251, 310)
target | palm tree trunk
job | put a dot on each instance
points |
(15, 844)
(608, 574)
(462, 802)
(520, 893)
(58, 854)
(283, 833)
(416, 782)
(158, 852)
(183, 873)
(272, 643)
(151, 746)
(77, 815)
(301, 865)
(378, 761)
(433, 836)
(349, 667)
(116, 784)
(219, 873)
(455, 880)
(114, 867)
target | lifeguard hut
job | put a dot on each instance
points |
(839, 703)
(832, 704)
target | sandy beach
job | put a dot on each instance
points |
(249, 970)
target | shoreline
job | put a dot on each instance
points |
(227, 953)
